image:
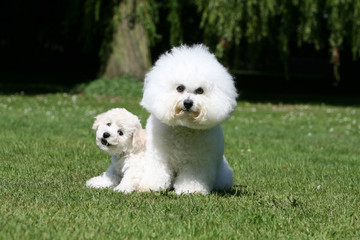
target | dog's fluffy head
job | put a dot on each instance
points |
(119, 131)
(189, 87)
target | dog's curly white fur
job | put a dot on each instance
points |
(188, 93)
(119, 133)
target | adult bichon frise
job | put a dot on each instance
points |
(188, 93)
(119, 133)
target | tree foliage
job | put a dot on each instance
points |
(323, 23)
(227, 24)
(99, 21)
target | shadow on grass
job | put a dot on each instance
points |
(235, 191)
(260, 90)
(335, 99)
(41, 83)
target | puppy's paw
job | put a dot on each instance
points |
(100, 182)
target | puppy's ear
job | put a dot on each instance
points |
(139, 139)
(98, 119)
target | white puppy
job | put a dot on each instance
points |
(119, 133)
(188, 93)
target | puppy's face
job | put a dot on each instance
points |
(112, 137)
(189, 87)
(117, 131)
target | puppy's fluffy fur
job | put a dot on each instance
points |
(188, 93)
(119, 133)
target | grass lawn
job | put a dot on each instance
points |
(296, 170)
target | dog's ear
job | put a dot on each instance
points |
(98, 119)
(139, 139)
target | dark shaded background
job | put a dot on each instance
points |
(40, 53)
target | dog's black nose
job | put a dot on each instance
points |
(188, 103)
(106, 135)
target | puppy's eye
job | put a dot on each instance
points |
(199, 91)
(120, 132)
(180, 88)
(108, 124)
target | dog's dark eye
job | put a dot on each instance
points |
(180, 88)
(199, 91)
(109, 124)
(120, 132)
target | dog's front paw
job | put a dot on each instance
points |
(100, 182)
(124, 189)
(191, 188)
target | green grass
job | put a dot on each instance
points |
(126, 86)
(296, 167)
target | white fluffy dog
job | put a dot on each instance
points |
(119, 133)
(188, 93)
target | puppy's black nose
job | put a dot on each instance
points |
(188, 103)
(106, 135)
